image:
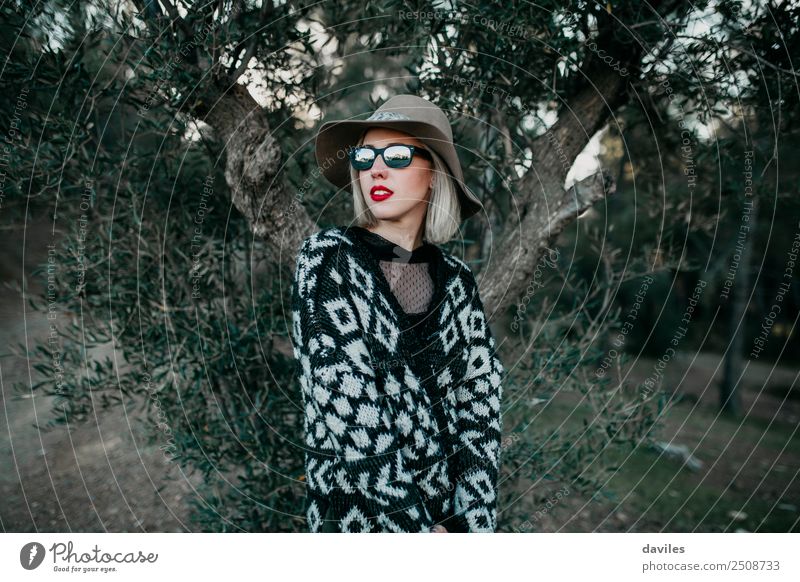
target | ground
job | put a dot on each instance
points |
(749, 475)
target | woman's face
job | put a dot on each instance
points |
(409, 187)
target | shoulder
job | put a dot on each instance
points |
(454, 262)
(458, 270)
(324, 240)
(323, 246)
(319, 259)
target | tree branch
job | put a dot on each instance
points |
(253, 171)
(506, 279)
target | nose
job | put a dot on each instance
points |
(379, 168)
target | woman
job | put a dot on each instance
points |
(401, 386)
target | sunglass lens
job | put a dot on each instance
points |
(397, 156)
(362, 158)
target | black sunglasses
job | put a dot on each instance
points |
(395, 156)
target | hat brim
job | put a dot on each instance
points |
(335, 137)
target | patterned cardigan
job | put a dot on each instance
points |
(402, 421)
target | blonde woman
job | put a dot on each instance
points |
(400, 382)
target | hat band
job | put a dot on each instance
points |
(388, 116)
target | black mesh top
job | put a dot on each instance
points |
(410, 274)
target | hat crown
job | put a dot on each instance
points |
(413, 108)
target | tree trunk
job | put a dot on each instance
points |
(729, 392)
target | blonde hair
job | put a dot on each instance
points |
(444, 209)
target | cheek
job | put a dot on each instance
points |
(416, 181)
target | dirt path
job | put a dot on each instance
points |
(98, 476)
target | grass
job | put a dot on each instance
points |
(748, 480)
(728, 493)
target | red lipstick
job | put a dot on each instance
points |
(379, 192)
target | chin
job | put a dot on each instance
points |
(388, 216)
(391, 209)
(388, 212)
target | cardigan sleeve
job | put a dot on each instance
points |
(479, 424)
(356, 475)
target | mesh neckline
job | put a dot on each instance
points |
(386, 250)
(376, 246)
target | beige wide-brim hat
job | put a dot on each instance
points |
(408, 113)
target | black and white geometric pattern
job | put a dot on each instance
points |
(402, 427)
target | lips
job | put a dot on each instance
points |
(379, 193)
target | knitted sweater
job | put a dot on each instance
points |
(402, 420)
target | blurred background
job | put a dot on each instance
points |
(638, 253)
